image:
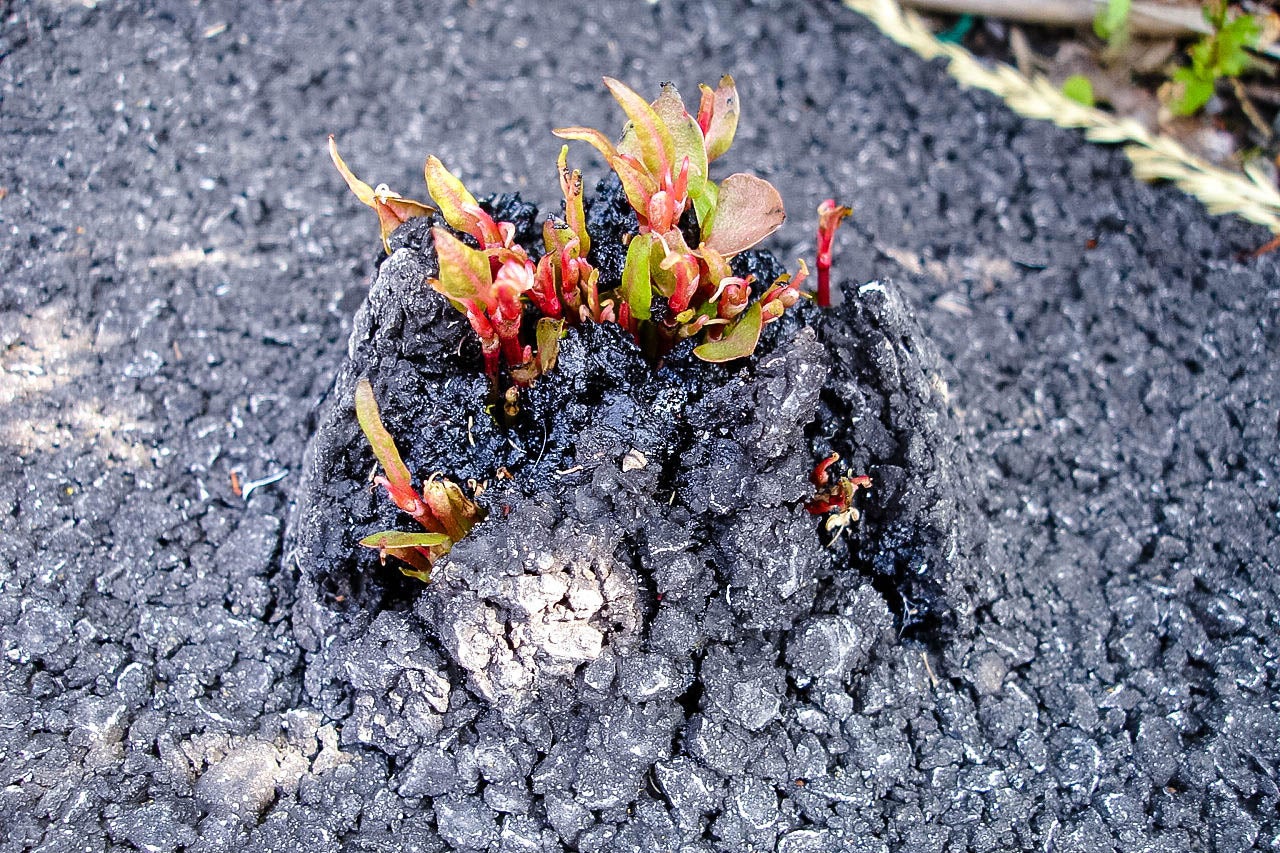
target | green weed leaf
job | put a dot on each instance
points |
(739, 342)
(637, 286)
(1078, 88)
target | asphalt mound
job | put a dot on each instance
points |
(178, 281)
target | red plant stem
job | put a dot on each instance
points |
(544, 291)
(829, 218)
(489, 343)
(824, 279)
(413, 504)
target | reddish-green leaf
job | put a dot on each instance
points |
(391, 207)
(652, 138)
(450, 506)
(362, 191)
(637, 287)
(592, 137)
(636, 183)
(723, 123)
(739, 342)
(384, 446)
(417, 557)
(748, 210)
(453, 198)
(464, 272)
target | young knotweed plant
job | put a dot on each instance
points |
(443, 511)
(834, 497)
(829, 218)
(490, 284)
(662, 162)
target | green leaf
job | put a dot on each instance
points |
(652, 138)
(464, 272)
(1197, 89)
(1078, 88)
(574, 214)
(394, 540)
(686, 136)
(384, 446)
(748, 209)
(548, 334)
(452, 197)
(703, 193)
(637, 286)
(1240, 33)
(556, 235)
(739, 342)
(1112, 20)
(723, 124)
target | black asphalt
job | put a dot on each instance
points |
(179, 272)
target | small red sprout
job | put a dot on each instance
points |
(444, 512)
(835, 497)
(829, 218)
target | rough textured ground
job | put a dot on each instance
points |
(179, 272)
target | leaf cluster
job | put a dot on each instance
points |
(1222, 54)
(440, 507)
(662, 159)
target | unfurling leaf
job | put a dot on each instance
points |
(384, 446)
(455, 511)
(717, 266)
(718, 116)
(748, 210)
(739, 342)
(637, 288)
(464, 272)
(453, 198)
(571, 186)
(646, 131)
(548, 333)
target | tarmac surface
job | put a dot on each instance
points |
(181, 267)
